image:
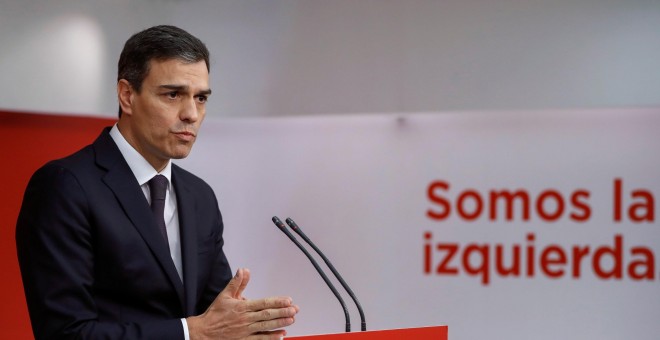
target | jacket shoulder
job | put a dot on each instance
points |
(82, 159)
(188, 178)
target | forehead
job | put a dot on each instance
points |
(175, 71)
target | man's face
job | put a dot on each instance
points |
(163, 119)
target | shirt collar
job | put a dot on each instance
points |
(142, 170)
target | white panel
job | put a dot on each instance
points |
(358, 186)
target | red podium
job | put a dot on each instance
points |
(420, 333)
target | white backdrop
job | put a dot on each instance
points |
(359, 187)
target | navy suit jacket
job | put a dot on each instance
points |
(93, 262)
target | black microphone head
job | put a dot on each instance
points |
(278, 223)
(291, 223)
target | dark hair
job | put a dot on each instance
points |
(157, 43)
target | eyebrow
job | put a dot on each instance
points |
(184, 88)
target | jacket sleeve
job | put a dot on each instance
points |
(54, 240)
(219, 270)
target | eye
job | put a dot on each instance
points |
(202, 99)
(172, 95)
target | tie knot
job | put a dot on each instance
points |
(158, 187)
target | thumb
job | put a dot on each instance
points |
(236, 285)
(244, 283)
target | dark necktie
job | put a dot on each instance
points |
(158, 189)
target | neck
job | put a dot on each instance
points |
(157, 163)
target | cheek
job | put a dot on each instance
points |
(161, 120)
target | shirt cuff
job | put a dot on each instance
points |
(184, 323)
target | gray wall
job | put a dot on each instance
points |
(294, 57)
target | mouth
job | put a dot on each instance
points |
(185, 135)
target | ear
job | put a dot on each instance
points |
(125, 96)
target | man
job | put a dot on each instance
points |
(115, 241)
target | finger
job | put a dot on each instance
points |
(241, 288)
(234, 284)
(268, 335)
(271, 314)
(269, 302)
(269, 325)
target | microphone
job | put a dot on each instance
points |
(282, 227)
(299, 231)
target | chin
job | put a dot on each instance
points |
(180, 154)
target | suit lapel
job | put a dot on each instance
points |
(123, 184)
(188, 232)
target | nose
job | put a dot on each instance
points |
(189, 111)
